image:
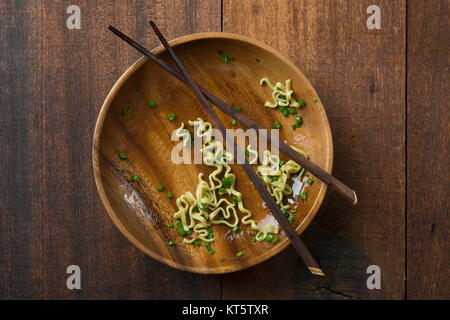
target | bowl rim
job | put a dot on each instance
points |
(96, 156)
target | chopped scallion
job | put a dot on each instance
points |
(123, 156)
(227, 182)
(208, 247)
(180, 228)
(126, 109)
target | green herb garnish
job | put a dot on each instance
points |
(303, 195)
(238, 108)
(126, 109)
(123, 156)
(169, 195)
(291, 219)
(180, 228)
(233, 122)
(160, 187)
(301, 102)
(310, 181)
(201, 206)
(227, 182)
(135, 178)
(315, 100)
(170, 225)
(239, 254)
(171, 243)
(225, 57)
(208, 247)
(151, 103)
(277, 125)
(269, 237)
(170, 116)
(235, 229)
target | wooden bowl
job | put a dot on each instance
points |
(138, 209)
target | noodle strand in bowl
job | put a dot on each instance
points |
(210, 206)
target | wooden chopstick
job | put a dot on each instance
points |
(264, 193)
(309, 166)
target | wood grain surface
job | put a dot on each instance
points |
(385, 93)
(21, 160)
(330, 42)
(427, 149)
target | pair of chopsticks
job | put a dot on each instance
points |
(203, 95)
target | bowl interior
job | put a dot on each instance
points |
(143, 213)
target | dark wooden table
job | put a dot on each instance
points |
(386, 95)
